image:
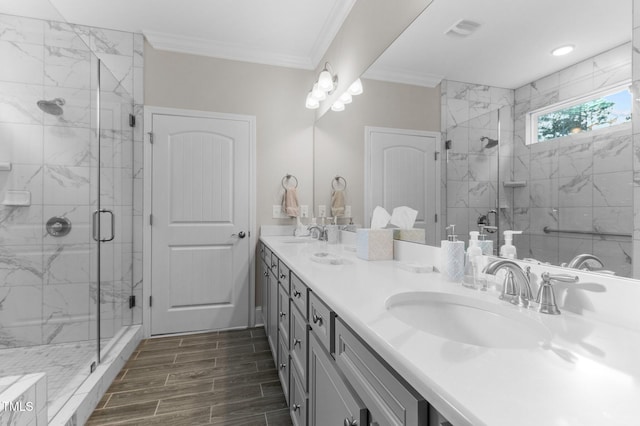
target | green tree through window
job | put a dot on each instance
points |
(597, 113)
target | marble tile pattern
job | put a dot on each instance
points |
(579, 182)
(470, 169)
(636, 137)
(47, 289)
(23, 400)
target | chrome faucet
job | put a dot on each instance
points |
(580, 262)
(516, 288)
(320, 232)
(546, 298)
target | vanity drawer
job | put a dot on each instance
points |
(390, 401)
(267, 255)
(283, 314)
(273, 264)
(299, 294)
(297, 399)
(283, 367)
(321, 320)
(298, 343)
(283, 275)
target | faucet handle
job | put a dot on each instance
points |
(546, 298)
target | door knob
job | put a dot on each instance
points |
(240, 234)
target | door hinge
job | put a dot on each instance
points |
(132, 301)
(132, 120)
(150, 301)
(447, 144)
(150, 137)
(150, 220)
(435, 155)
(436, 218)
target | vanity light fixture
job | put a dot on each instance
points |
(355, 88)
(312, 103)
(337, 106)
(346, 98)
(563, 50)
(317, 93)
(326, 80)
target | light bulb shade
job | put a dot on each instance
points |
(345, 98)
(325, 81)
(355, 88)
(311, 103)
(318, 95)
(337, 106)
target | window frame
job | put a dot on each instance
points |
(531, 117)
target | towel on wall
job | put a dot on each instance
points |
(290, 202)
(337, 203)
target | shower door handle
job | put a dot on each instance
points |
(96, 214)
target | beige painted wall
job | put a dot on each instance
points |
(274, 95)
(339, 136)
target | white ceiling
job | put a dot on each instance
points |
(512, 46)
(293, 33)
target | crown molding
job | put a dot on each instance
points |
(236, 52)
(403, 76)
(332, 24)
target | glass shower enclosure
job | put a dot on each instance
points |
(66, 205)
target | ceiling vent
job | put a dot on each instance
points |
(462, 28)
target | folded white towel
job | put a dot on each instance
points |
(337, 203)
(290, 202)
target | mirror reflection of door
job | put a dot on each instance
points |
(401, 169)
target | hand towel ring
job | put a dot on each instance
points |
(336, 181)
(287, 179)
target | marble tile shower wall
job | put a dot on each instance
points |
(580, 182)
(469, 114)
(46, 295)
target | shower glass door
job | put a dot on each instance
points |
(112, 210)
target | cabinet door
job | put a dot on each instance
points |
(263, 278)
(272, 335)
(283, 367)
(331, 401)
(297, 399)
(391, 402)
(283, 314)
(298, 342)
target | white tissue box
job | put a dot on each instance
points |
(414, 235)
(374, 244)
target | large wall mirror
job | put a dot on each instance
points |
(474, 72)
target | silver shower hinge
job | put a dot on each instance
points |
(132, 120)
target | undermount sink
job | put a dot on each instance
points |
(327, 258)
(468, 320)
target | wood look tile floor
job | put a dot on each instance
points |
(221, 378)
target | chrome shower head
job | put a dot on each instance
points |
(490, 142)
(53, 107)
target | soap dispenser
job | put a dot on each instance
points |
(472, 261)
(485, 245)
(508, 250)
(452, 256)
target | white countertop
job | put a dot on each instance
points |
(588, 373)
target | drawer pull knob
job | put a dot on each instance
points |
(283, 276)
(273, 265)
(295, 407)
(283, 314)
(266, 274)
(297, 342)
(348, 422)
(296, 293)
(283, 366)
(317, 319)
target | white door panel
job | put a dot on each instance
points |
(402, 170)
(200, 269)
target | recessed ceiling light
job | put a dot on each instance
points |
(562, 50)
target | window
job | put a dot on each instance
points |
(598, 110)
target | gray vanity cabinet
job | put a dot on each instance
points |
(331, 400)
(263, 277)
(389, 400)
(272, 314)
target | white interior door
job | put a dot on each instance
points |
(200, 209)
(402, 169)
